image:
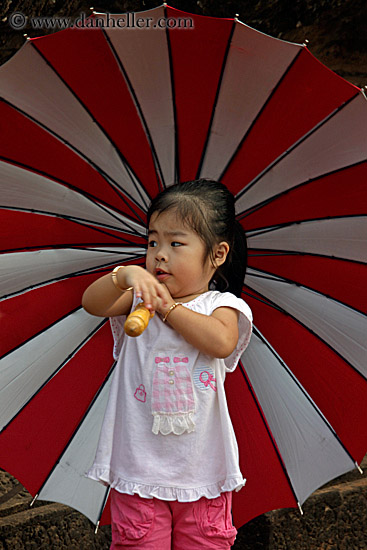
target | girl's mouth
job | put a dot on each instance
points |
(161, 275)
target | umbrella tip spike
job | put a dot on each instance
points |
(34, 500)
(300, 508)
(236, 16)
(359, 468)
(26, 36)
(306, 42)
(97, 527)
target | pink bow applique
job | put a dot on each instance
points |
(162, 359)
(180, 359)
(210, 381)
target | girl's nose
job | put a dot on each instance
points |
(161, 256)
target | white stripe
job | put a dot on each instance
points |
(144, 55)
(311, 453)
(341, 327)
(26, 190)
(31, 85)
(340, 142)
(68, 483)
(344, 238)
(26, 369)
(254, 66)
(19, 271)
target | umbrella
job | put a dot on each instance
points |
(95, 123)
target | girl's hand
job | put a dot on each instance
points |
(155, 296)
(165, 300)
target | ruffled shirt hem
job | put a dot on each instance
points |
(180, 494)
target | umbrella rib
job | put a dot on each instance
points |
(110, 181)
(270, 303)
(160, 178)
(97, 202)
(124, 161)
(62, 364)
(273, 277)
(66, 276)
(174, 106)
(295, 145)
(61, 246)
(224, 63)
(264, 301)
(242, 215)
(104, 501)
(273, 253)
(303, 391)
(261, 413)
(76, 431)
(249, 130)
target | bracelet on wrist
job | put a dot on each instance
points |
(170, 309)
(115, 280)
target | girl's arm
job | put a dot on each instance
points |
(104, 299)
(215, 335)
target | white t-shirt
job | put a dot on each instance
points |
(167, 431)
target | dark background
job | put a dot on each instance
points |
(336, 29)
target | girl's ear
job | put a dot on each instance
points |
(220, 253)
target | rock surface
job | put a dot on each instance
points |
(335, 518)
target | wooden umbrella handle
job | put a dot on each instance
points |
(137, 321)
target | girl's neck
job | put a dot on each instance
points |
(190, 297)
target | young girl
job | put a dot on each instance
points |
(167, 446)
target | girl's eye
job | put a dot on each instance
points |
(175, 243)
(152, 244)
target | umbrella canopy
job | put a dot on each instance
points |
(94, 124)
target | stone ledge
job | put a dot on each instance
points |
(51, 527)
(334, 519)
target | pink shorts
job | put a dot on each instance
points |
(155, 524)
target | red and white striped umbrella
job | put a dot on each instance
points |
(94, 124)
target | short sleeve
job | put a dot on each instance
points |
(226, 299)
(117, 328)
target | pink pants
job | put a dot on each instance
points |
(155, 524)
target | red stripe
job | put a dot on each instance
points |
(336, 388)
(25, 143)
(28, 446)
(25, 230)
(259, 462)
(339, 194)
(28, 314)
(300, 102)
(98, 81)
(197, 55)
(342, 280)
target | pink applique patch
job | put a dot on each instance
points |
(180, 359)
(208, 380)
(140, 393)
(204, 378)
(162, 360)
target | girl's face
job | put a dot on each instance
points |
(175, 256)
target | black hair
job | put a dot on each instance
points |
(208, 208)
